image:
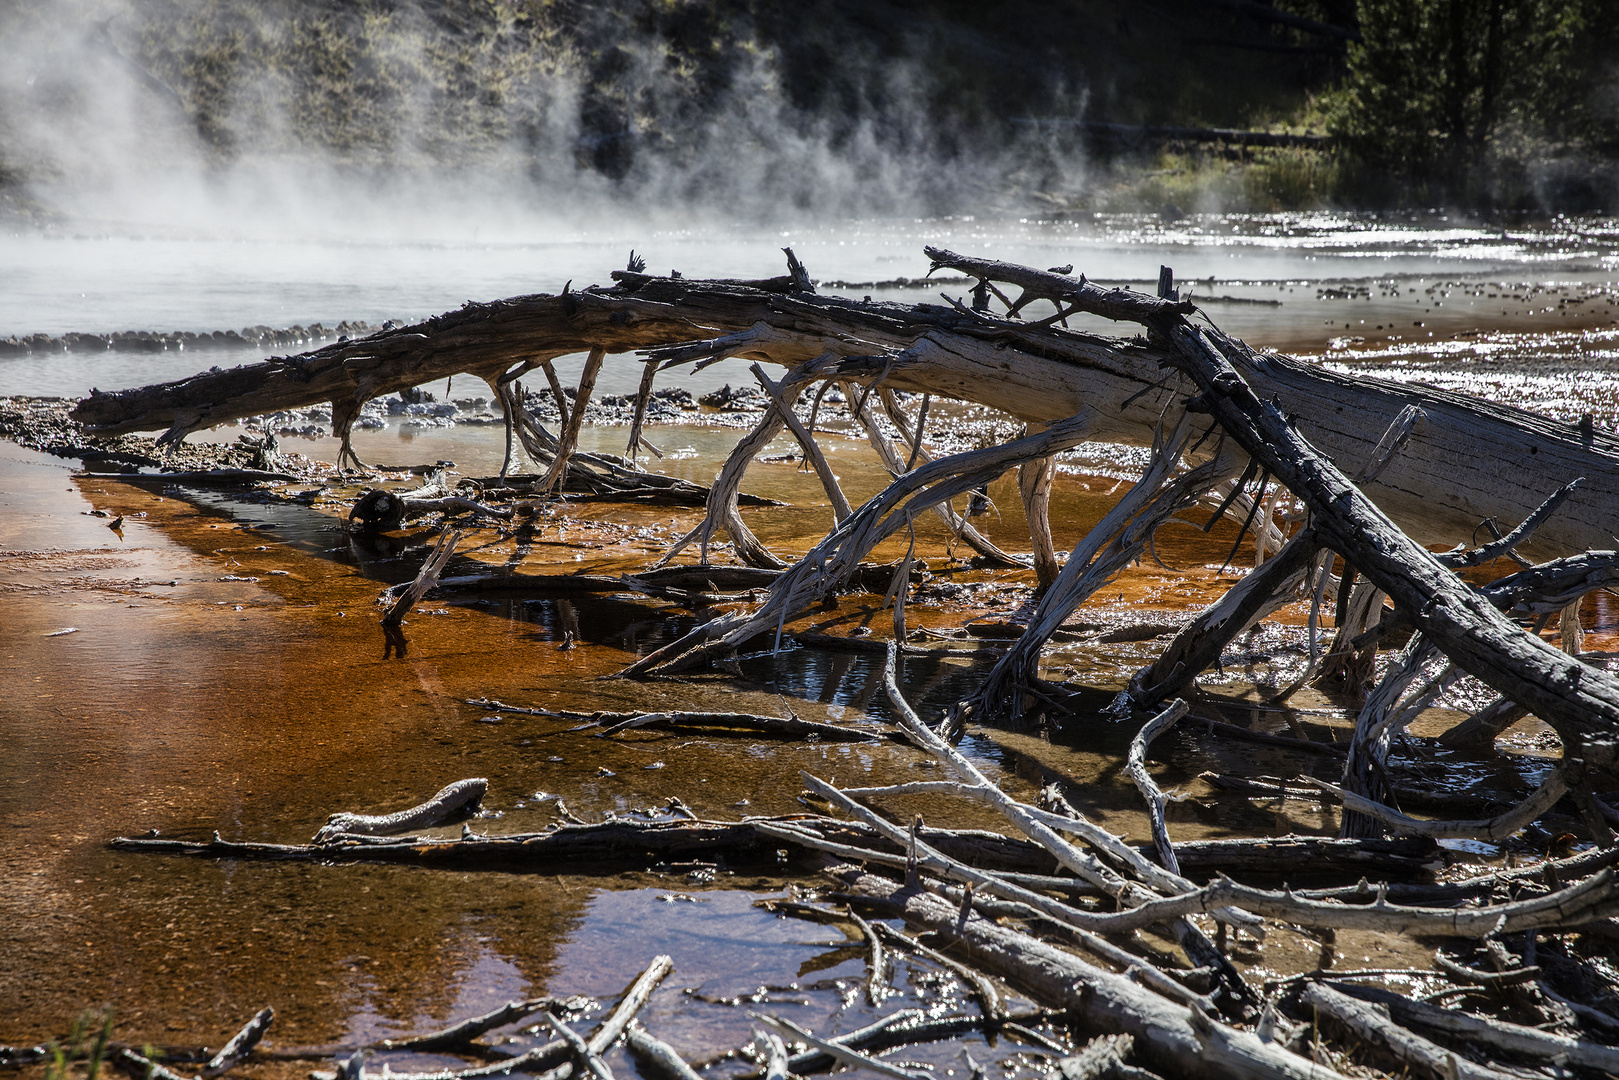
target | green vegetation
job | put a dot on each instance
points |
(86, 1041)
(1480, 102)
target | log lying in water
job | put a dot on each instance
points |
(681, 584)
(629, 843)
(613, 844)
(1471, 460)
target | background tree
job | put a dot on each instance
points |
(1448, 97)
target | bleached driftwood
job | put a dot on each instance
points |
(457, 798)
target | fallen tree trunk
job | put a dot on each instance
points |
(1472, 460)
(609, 846)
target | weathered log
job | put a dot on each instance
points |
(1493, 829)
(791, 727)
(426, 578)
(229, 477)
(1034, 485)
(609, 846)
(241, 1044)
(1474, 459)
(643, 397)
(461, 1034)
(583, 1053)
(1297, 859)
(906, 1027)
(569, 439)
(876, 963)
(1372, 1024)
(841, 1052)
(1551, 586)
(775, 1053)
(1136, 767)
(552, 1059)
(142, 1067)
(1497, 1034)
(681, 583)
(659, 1055)
(1591, 899)
(1351, 656)
(1232, 731)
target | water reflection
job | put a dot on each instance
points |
(227, 678)
(1566, 374)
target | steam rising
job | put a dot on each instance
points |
(418, 120)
